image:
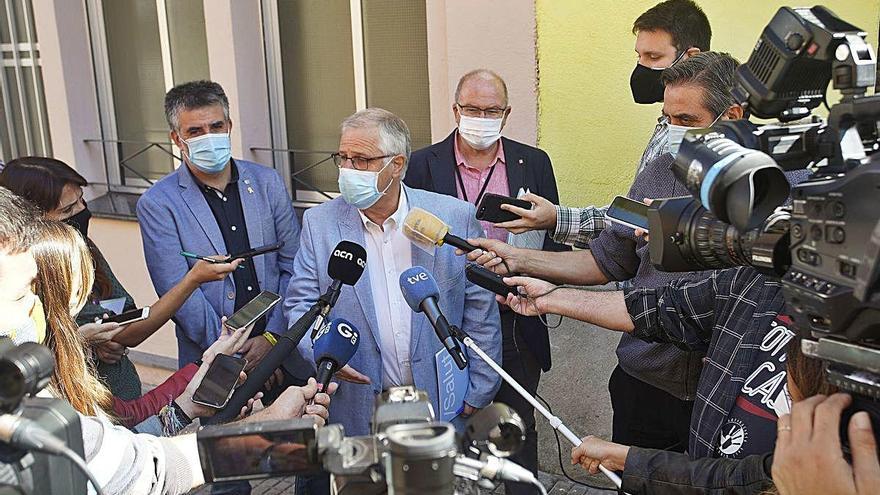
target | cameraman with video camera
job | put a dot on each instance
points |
(698, 93)
(121, 461)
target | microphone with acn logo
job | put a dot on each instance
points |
(421, 293)
(426, 229)
(333, 349)
(346, 265)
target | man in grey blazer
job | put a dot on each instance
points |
(213, 204)
(397, 347)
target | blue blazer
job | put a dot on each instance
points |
(175, 217)
(466, 305)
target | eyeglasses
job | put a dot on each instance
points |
(357, 162)
(492, 113)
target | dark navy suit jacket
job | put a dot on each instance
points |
(433, 169)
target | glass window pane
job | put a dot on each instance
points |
(318, 76)
(138, 83)
(189, 43)
(396, 63)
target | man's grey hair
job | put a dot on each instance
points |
(485, 75)
(394, 138)
(715, 72)
(193, 95)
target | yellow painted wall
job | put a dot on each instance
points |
(587, 120)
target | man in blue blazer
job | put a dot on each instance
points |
(211, 205)
(397, 347)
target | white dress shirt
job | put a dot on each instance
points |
(389, 253)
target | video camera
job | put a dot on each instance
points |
(408, 453)
(25, 369)
(825, 246)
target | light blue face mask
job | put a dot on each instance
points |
(209, 152)
(675, 135)
(360, 188)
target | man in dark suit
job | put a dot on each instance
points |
(475, 159)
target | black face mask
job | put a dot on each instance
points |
(645, 84)
(80, 221)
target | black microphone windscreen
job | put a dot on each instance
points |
(347, 263)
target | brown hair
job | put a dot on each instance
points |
(64, 280)
(684, 20)
(806, 372)
(41, 181)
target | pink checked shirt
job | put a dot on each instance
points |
(474, 179)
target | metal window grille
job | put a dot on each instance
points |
(24, 128)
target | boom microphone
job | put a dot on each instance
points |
(421, 293)
(333, 349)
(422, 227)
(346, 265)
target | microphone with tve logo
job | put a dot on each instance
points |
(334, 348)
(424, 228)
(421, 293)
(346, 265)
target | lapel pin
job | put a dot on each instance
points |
(247, 181)
(520, 161)
(250, 190)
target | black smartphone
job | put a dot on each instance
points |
(629, 212)
(129, 316)
(490, 208)
(255, 309)
(488, 279)
(219, 382)
(246, 451)
(250, 253)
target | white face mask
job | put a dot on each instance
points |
(479, 132)
(675, 135)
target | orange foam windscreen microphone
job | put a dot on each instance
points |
(424, 228)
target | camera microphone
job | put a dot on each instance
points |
(425, 228)
(421, 293)
(334, 348)
(346, 265)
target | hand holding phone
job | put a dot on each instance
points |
(490, 210)
(628, 212)
(129, 317)
(219, 382)
(255, 309)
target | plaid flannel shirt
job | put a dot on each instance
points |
(577, 226)
(726, 316)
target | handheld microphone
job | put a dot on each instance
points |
(346, 265)
(425, 228)
(421, 293)
(333, 349)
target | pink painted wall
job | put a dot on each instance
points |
(494, 34)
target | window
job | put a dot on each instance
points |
(336, 57)
(141, 50)
(24, 128)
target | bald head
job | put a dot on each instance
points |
(483, 82)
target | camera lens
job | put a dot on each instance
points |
(740, 186)
(24, 370)
(686, 237)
